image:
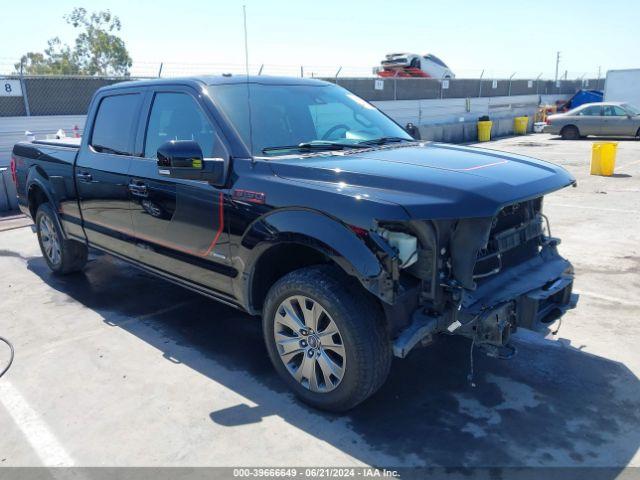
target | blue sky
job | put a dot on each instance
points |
(501, 37)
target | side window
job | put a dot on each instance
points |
(113, 127)
(177, 116)
(590, 111)
(614, 111)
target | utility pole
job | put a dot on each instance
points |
(557, 65)
(599, 72)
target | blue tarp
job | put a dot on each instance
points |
(584, 96)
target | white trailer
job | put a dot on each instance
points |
(623, 86)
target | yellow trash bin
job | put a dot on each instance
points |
(484, 130)
(603, 158)
(520, 125)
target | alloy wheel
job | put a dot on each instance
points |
(309, 344)
(50, 240)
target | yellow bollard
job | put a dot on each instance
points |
(520, 125)
(603, 158)
(484, 130)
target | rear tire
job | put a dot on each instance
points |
(570, 132)
(62, 256)
(361, 349)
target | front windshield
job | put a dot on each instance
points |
(632, 109)
(289, 115)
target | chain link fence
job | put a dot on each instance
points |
(67, 95)
(49, 95)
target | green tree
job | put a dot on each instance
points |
(56, 59)
(98, 50)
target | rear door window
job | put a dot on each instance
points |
(114, 125)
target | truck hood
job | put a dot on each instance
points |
(430, 180)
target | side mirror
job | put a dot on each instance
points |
(183, 159)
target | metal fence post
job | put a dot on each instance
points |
(442, 87)
(395, 86)
(23, 86)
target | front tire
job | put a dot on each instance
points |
(326, 338)
(62, 256)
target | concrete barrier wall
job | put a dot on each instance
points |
(12, 131)
(454, 120)
(8, 199)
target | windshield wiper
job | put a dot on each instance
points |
(315, 145)
(384, 140)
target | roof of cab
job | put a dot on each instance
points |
(218, 80)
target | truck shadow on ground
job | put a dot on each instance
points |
(551, 405)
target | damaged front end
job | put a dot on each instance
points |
(479, 277)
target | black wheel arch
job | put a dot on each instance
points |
(38, 192)
(287, 240)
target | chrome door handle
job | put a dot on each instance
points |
(138, 189)
(84, 176)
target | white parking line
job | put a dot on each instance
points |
(42, 440)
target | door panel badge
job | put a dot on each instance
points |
(249, 196)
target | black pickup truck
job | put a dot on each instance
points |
(298, 201)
